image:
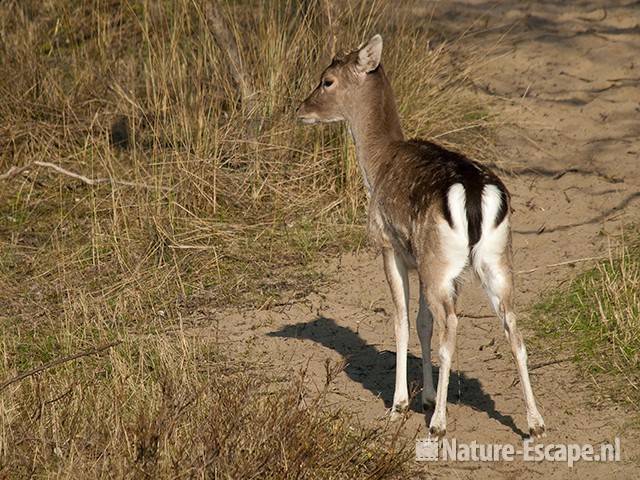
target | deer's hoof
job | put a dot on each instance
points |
(428, 405)
(437, 431)
(399, 410)
(537, 431)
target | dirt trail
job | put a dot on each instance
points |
(574, 72)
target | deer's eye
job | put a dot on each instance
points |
(327, 83)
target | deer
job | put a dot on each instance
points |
(430, 209)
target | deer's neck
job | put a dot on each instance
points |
(375, 125)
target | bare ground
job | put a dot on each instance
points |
(571, 72)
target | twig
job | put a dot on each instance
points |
(14, 171)
(543, 364)
(56, 362)
(562, 173)
(566, 262)
(550, 362)
(469, 315)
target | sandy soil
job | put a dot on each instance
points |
(572, 69)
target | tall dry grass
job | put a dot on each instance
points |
(212, 191)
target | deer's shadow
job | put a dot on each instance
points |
(375, 369)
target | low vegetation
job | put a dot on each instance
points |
(597, 315)
(151, 172)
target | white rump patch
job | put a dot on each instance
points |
(454, 242)
(457, 200)
(491, 203)
(493, 239)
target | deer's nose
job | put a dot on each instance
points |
(304, 115)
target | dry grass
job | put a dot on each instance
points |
(170, 407)
(211, 192)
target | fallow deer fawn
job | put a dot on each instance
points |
(430, 209)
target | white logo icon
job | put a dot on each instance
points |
(426, 449)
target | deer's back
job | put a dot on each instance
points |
(412, 186)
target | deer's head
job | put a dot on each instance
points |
(343, 85)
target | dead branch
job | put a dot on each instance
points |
(57, 362)
(550, 362)
(14, 171)
(543, 364)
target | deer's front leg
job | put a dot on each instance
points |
(396, 272)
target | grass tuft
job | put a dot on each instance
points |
(598, 314)
(165, 407)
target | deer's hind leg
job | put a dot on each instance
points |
(492, 262)
(437, 280)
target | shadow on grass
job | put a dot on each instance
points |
(375, 369)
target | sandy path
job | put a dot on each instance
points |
(578, 69)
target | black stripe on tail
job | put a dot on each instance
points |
(473, 178)
(474, 208)
(437, 169)
(474, 211)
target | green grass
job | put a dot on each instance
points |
(597, 314)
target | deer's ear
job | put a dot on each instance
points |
(370, 54)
